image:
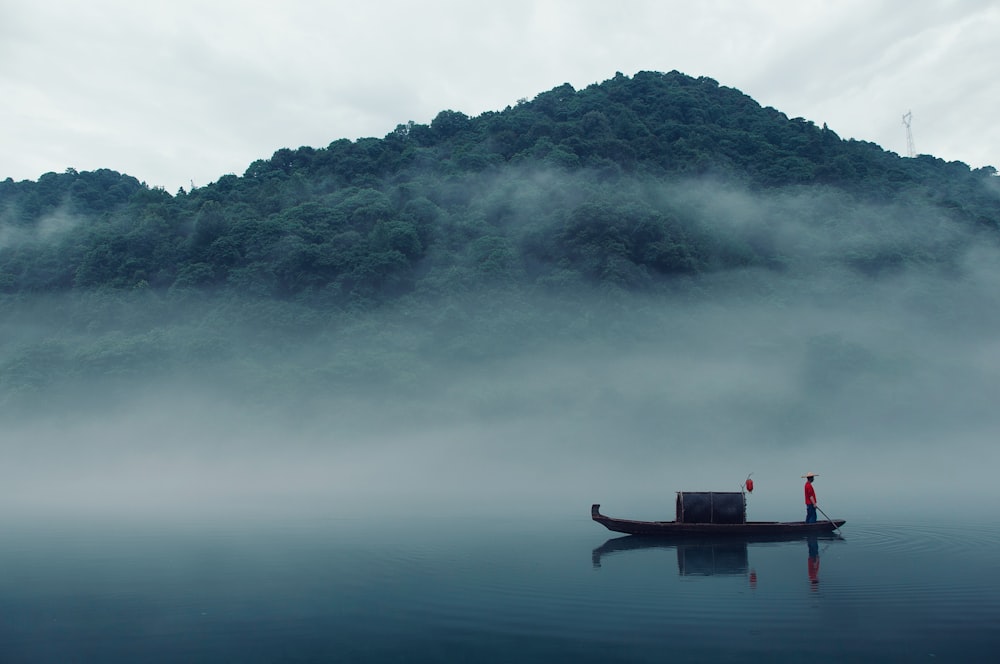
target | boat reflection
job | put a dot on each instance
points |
(707, 556)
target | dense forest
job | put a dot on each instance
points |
(651, 186)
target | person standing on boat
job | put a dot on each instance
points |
(810, 498)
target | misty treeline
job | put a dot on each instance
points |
(466, 236)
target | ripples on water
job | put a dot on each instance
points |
(503, 591)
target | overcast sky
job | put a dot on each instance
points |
(182, 91)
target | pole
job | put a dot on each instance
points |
(828, 519)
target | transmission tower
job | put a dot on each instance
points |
(910, 150)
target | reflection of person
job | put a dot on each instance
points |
(813, 564)
(810, 498)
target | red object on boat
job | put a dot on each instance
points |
(749, 485)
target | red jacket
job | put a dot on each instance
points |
(810, 494)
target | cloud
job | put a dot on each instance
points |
(191, 91)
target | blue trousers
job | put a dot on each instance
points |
(810, 514)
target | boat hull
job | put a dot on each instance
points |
(661, 528)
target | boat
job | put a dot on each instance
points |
(743, 528)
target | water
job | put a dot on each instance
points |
(429, 589)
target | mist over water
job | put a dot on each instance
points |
(884, 381)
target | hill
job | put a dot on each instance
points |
(468, 237)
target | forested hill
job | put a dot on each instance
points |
(574, 188)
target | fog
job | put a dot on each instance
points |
(50, 227)
(882, 382)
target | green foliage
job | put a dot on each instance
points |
(565, 189)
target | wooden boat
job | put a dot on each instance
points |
(661, 528)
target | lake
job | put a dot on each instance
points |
(435, 589)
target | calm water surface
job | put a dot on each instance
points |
(494, 590)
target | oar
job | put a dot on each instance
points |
(828, 519)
